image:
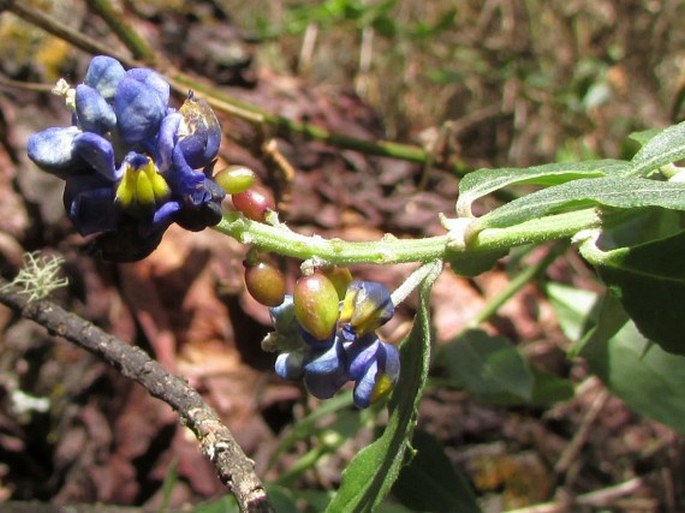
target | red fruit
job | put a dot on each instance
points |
(316, 305)
(266, 283)
(254, 203)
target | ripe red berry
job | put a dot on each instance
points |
(254, 203)
(266, 283)
(316, 305)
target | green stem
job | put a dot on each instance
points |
(281, 240)
(138, 47)
(535, 231)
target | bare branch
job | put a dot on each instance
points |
(234, 468)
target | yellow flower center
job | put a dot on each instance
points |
(141, 187)
(384, 385)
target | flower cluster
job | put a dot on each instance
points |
(132, 164)
(352, 352)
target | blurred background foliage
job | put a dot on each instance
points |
(516, 82)
(505, 82)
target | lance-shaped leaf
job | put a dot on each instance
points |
(484, 181)
(371, 474)
(666, 147)
(612, 191)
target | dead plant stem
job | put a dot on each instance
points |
(234, 468)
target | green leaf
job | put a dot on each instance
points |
(649, 280)
(282, 499)
(484, 181)
(430, 483)
(643, 136)
(666, 147)
(170, 482)
(494, 371)
(370, 475)
(650, 380)
(572, 306)
(610, 191)
(490, 368)
(549, 389)
(225, 504)
(611, 317)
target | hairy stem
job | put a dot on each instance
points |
(281, 240)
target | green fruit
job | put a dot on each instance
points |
(235, 179)
(316, 305)
(266, 283)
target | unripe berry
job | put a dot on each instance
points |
(254, 203)
(266, 283)
(235, 179)
(316, 305)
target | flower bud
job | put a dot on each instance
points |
(379, 378)
(367, 305)
(316, 305)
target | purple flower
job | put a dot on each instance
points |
(132, 164)
(354, 352)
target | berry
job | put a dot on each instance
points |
(254, 203)
(235, 179)
(266, 283)
(316, 305)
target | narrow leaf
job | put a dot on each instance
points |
(370, 475)
(643, 136)
(484, 181)
(619, 192)
(611, 317)
(666, 147)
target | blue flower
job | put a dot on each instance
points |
(132, 164)
(353, 353)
